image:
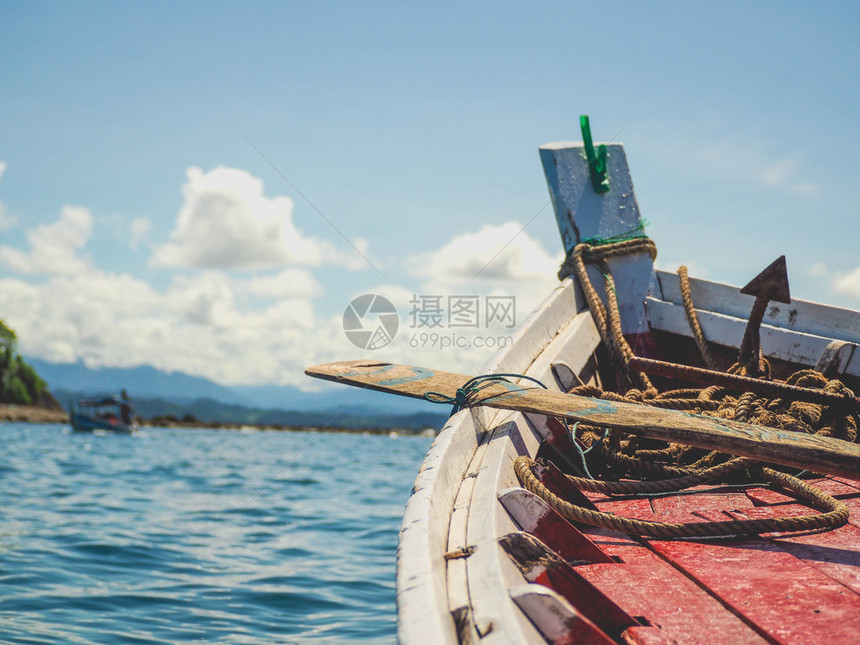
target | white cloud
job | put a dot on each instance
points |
(493, 262)
(494, 254)
(53, 247)
(226, 222)
(848, 283)
(257, 327)
(496, 261)
(818, 270)
(202, 299)
(263, 327)
(289, 283)
(138, 229)
(205, 324)
(357, 258)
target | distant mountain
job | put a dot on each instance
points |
(146, 382)
(141, 382)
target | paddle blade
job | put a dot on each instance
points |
(809, 452)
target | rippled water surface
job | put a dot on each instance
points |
(175, 536)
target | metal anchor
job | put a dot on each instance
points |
(770, 284)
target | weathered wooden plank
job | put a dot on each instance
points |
(422, 584)
(770, 512)
(800, 596)
(834, 487)
(531, 338)
(533, 515)
(799, 605)
(683, 508)
(833, 552)
(785, 344)
(637, 508)
(558, 622)
(539, 564)
(538, 330)
(853, 504)
(817, 453)
(491, 572)
(574, 344)
(647, 636)
(647, 588)
(800, 315)
(768, 497)
(422, 597)
(456, 577)
(850, 483)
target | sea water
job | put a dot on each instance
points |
(194, 535)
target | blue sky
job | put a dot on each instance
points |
(183, 183)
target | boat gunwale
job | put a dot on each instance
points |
(417, 586)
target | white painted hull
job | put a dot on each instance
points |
(470, 461)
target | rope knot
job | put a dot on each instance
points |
(460, 398)
(467, 394)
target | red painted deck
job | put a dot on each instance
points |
(775, 588)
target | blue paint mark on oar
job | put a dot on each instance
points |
(600, 407)
(419, 374)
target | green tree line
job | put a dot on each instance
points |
(19, 382)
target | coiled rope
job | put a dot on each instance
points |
(835, 512)
(606, 317)
(647, 467)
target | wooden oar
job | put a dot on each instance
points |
(809, 452)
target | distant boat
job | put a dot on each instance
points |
(594, 511)
(111, 414)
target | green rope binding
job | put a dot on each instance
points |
(466, 394)
(634, 233)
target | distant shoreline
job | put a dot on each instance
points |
(32, 414)
(158, 423)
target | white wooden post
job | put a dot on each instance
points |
(582, 213)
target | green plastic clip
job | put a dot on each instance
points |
(596, 162)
